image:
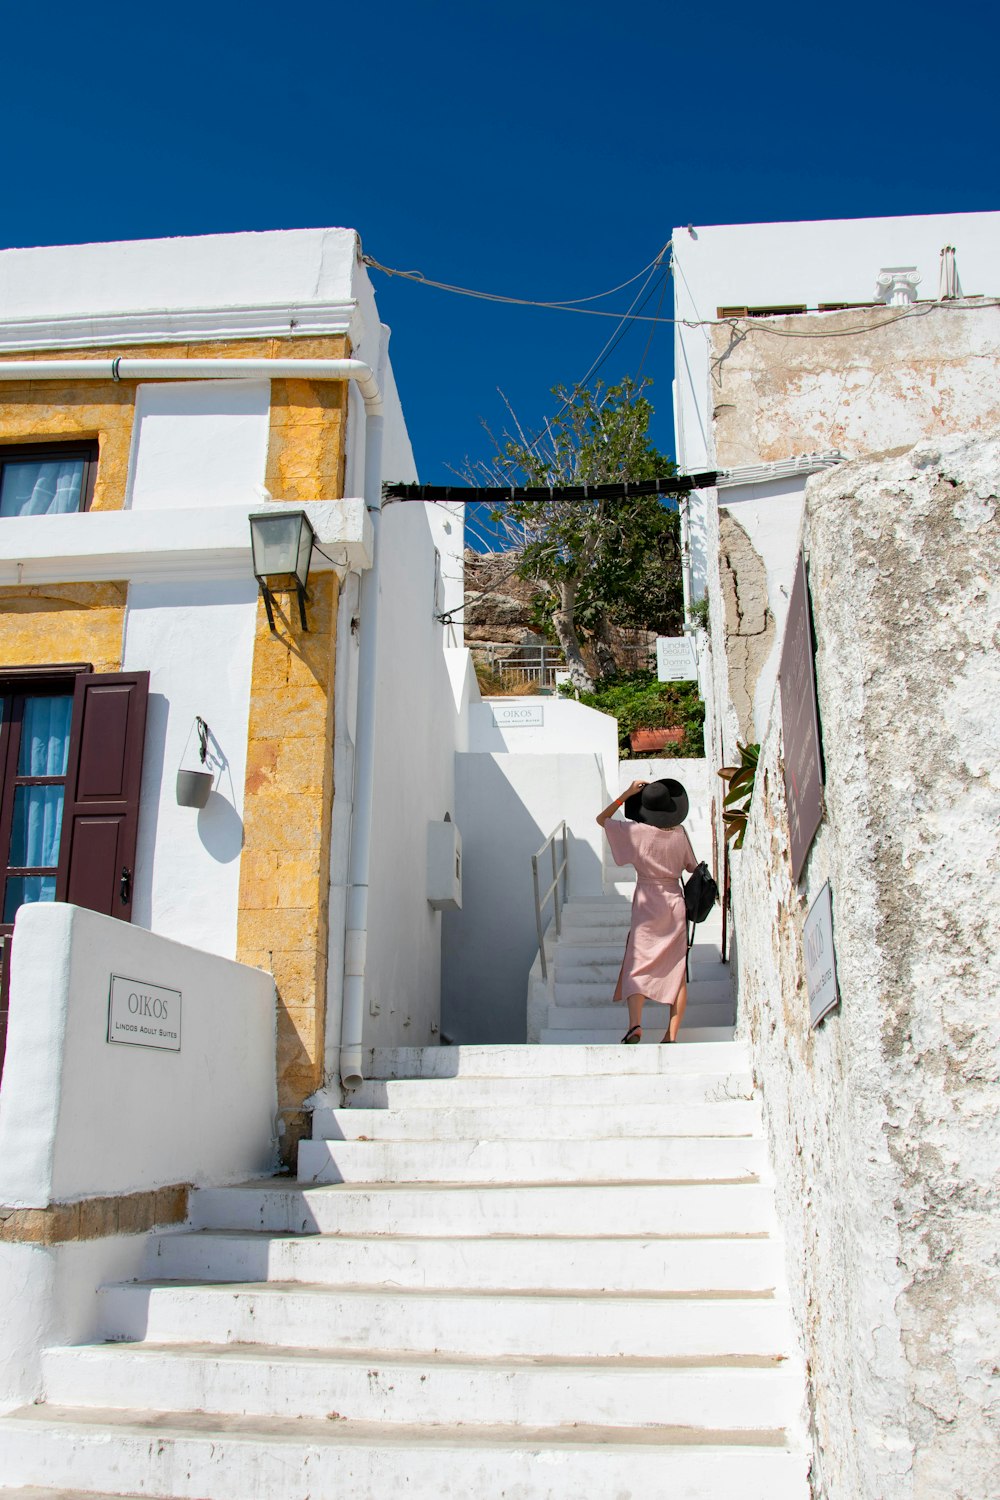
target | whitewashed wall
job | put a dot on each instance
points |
(508, 804)
(82, 1117)
(196, 641)
(198, 442)
(418, 723)
(416, 727)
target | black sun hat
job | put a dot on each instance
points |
(662, 804)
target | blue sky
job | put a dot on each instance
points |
(543, 151)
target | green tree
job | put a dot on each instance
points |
(597, 562)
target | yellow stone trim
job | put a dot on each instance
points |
(285, 868)
(54, 622)
(94, 1218)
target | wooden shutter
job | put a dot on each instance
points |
(103, 776)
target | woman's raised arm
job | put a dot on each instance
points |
(612, 808)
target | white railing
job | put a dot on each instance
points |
(531, 664)
(541, 897)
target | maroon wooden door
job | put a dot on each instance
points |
(103, 776)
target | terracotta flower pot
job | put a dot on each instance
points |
(645, 740)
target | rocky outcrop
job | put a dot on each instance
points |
(497, 602)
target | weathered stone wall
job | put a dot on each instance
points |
(748, 621)
(883, 1121)
(805, 384)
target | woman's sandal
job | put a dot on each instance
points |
(632, 1036)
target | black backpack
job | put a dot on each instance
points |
(700, 895)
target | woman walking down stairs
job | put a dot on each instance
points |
(541, 1272)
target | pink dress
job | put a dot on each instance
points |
(657, 941)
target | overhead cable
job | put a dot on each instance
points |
(919, 310)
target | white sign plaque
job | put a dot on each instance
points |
(518, 715)
(675, 659)
(821, 963)
(144, 1015)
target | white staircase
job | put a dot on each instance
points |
(583, 969)
(529, 1272)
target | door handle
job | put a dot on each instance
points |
(125, 886)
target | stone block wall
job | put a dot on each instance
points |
(883, 1121)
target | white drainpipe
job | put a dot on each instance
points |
(199, 369)
(356, 936)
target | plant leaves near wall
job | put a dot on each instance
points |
(739, 793)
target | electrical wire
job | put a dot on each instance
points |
(962, 304)
(567, 303)
(652, 329)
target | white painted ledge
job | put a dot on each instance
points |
(147, 545)
(267, 320)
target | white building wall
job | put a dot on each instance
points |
(508, 804)
(81, 1117)
(198, 442)
(196, 641)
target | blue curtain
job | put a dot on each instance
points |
(37, 820)
(46, 487)
(44, 738)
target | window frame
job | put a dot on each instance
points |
(85, 448)
(40, 682)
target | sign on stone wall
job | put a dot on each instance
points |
(821, 961)
(518, 715)
(800, 724)
(144, 1015)
(675, 659)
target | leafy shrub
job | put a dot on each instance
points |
(638, 701)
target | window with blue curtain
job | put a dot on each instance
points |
(34, 791)
(49, 480)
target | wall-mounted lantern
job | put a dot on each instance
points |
(193, 787)
(282, 543)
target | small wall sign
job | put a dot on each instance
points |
(141, 1014)
(675, 659)
(821, 961)
(518, 715)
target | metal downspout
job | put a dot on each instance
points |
(356, 935)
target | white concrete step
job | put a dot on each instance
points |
(464, 1211)
(482, 1324)
(205, 1457)
(642, 1084)
(534, 1122)
(653, 1159)
(370, 1385)
(614, 1018)
(504, 1062)
(636, 1263)
(592, 1036)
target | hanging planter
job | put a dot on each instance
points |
(195, 787)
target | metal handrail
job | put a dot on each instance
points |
(553, 890)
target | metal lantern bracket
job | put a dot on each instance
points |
(281, 543)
